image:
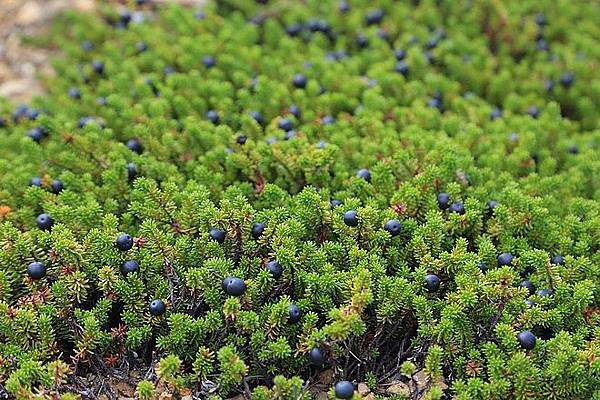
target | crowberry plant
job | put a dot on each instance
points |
(400, 193)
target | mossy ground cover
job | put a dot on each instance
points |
(380, 190)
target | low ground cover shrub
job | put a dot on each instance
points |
(236, 199)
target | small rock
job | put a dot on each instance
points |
(398, 388)
(30, 13)
(326, 377)
(370, 396)
(363, 389)
(421, 379)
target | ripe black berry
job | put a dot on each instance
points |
(533, 112)
(567, 79)
(491, 205)
(208, 61)
(402, 68)
(365, 174)
(374, 17)
(56, 186)
(327, 120)
(129, 266)
(44, 222)
(135, 145)
(257, 230)
(393, 227)
(399, 54)
(432, 283)
(526, 340)
(141, 47)
(362, 41)
(157, 308)
(482, 267)
(124, 242)
(217, 235)
(443, 200)
(299, 81)
(234, 286)
(275, 269)
(257, 116)
(285, 124)
(335, 203)
(86, 45)
(131, 171)
(457, 207)
(36, 270)
(496, 113)
(351, 218)
(36, 134)
(74, 93)
(295, 111)
(527, 284)
(505, 259)
(557, 260)
(293, 30)
(316, 357)
(36, 181)
(544, 292)
(294, 314)
(213, 117)
(98, 67)
(290, 134)
(344, 390)
(241, 139)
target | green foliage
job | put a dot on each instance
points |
(360, 291)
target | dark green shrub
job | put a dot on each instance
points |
(146, 134)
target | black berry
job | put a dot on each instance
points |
(294, 314)
(44, 222)
(208, 61)
(285, 124)
(374, 17)
(457, 207)
(131, 171)
(443, 199)
(213, 117)
(526, 340)
(365, 174)
(257, 230)
(36, 270)
(98, 67)
(157, 308)
(316, 357)
(234, 286)
(527, 284)
(505, 259)
(351, 218)
(124, 242)
(217, 235)
(300, 81)
(557, 260)
(393, 227)
(432, 283)
(135, 145)
(36, 181)
(56, 186)
(344, 390)
(275, 269)
(129, 266)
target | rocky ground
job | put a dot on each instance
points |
(22, 66)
